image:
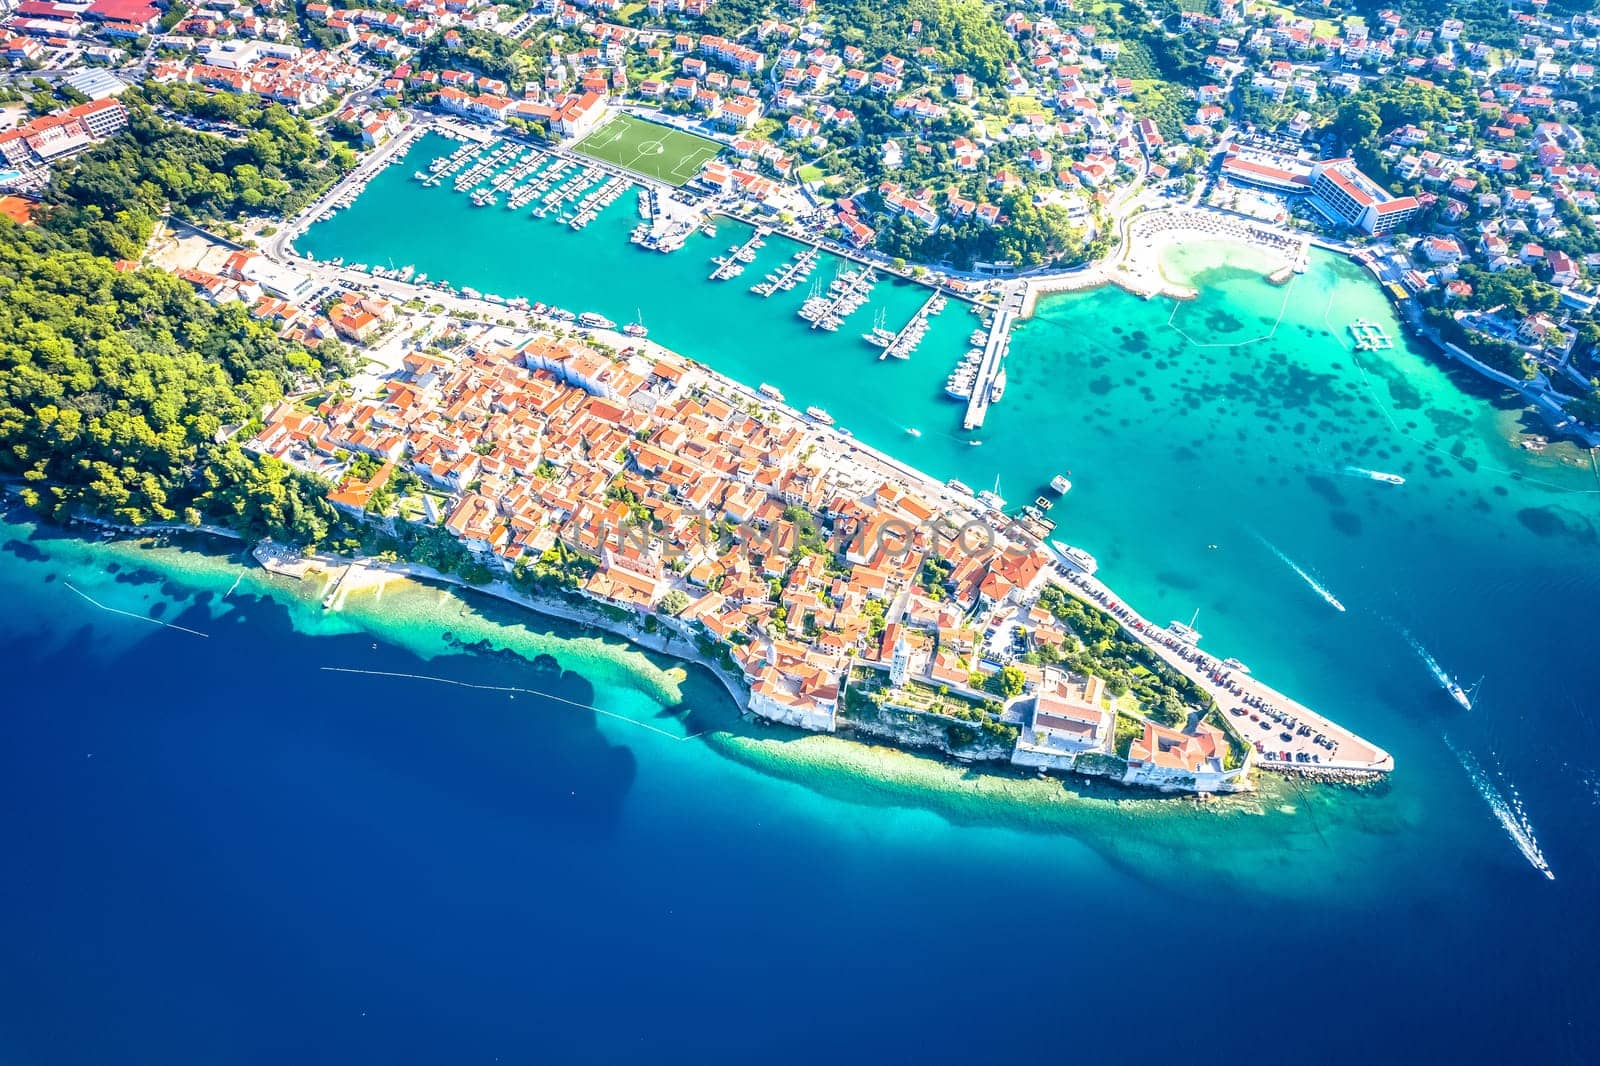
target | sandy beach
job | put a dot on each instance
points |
(1138, 267)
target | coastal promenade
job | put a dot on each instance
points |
(1278, 727)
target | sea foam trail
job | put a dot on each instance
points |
(1429, 661)
(1316, 586)
(1508, 811)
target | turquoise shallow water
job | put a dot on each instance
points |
(259, 850)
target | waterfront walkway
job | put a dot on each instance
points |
(994, 358)
(1279, 728)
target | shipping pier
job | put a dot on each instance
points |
(990, 382)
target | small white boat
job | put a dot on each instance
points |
(1060, 484)
(820, 416)
(1375, 475)
(770, 392)
(914, 431)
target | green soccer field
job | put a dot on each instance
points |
(658, 152)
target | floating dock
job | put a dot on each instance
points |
(733, 264)
(847, 292)
(905, 342)
(1369, 336)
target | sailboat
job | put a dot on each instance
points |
(1186, 633)
(636, 327)
(880, 336)
(992, 500)
(1464, 696)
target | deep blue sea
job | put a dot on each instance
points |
(232, 848)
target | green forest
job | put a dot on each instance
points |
(118, 387)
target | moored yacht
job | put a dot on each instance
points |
(1075, 557)
(1060, 484)
(770, 392)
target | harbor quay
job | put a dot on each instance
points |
(1286, 735)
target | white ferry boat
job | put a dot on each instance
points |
(1060, 484)
(820, 416)
(770, 392)
(1075, 557)
(589, 318)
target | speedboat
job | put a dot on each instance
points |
(914, 431)
(1375, 475)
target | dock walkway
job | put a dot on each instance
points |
(994, 358)
(905, 342)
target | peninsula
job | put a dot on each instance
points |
(988, 152)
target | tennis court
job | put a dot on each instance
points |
(655, 151)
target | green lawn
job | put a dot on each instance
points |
(646, 148)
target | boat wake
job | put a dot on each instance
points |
(1461, 695)
(1316, 586)
(1507, 810)
(1373, 475)
(1429, 661)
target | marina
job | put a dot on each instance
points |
(789, 275)
(845, 294)
(900, 345)
(738, 257)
